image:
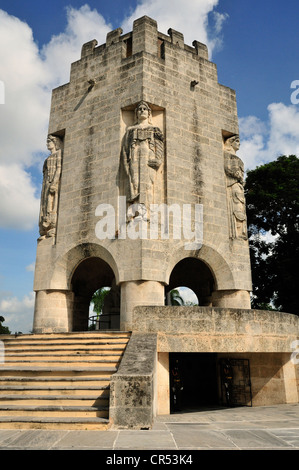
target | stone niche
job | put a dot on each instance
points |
(142, 180)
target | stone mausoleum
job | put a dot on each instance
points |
(143, 192)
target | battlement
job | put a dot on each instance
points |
(145, 37)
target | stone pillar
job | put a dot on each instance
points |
(145, 36)
(53, 312)
(231, 299)
(137, 293)
(163, 405)
(290, 382)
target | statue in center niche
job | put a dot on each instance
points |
(234, 169)
(142, 155)
(50, 188)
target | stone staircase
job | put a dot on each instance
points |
(58, 381)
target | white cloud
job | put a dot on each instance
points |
(264, 142)
(188, 295)
(83, 25)
(19, 204)
(28, 76)
(23, 117)
(30, 267)
(18, 313)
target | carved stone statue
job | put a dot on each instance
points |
(142, 155)
(50, 188)
(234, 169)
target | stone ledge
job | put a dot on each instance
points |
(211, 329)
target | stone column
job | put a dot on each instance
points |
(53, 312)
(137, 293)
(163, 405)
(290, 382)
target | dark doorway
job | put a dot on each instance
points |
(89, 276)
(198, 376)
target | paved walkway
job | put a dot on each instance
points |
(262, 428)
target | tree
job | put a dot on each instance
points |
(174, 298)
(272, 196)
(4, 330)
(98, 299)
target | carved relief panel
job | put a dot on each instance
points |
(234, 170)
(50, 188)
(142, 155)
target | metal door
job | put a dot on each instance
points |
(235, 382)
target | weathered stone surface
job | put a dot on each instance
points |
(212, 329)
(132, 389)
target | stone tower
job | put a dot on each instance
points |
(142, 189)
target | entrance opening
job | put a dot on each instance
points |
(91, 275)
(193, 381)
(193, 274)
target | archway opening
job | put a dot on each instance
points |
(191, 275)
(193, 381)
(90, 276)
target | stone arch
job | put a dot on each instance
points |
(91, 274)
(214, 261)
(193, 274)
(66, 265)
(80, 272)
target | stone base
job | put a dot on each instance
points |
(265, 338)
(53, 311)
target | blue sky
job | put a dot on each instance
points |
(254, 44)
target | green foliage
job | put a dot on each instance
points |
(175, 298)
(98, 299)
(272, 196)
(4, 330)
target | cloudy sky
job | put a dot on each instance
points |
(254, 44)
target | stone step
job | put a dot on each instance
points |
(58, 381)
(54, 400)
(29, 390)
(82, 362)
(53, 411)
(71, 349)
(49, 381)
(67, 343)
(66, 340)
(23, 422)
(58, 358)
(85, 335)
